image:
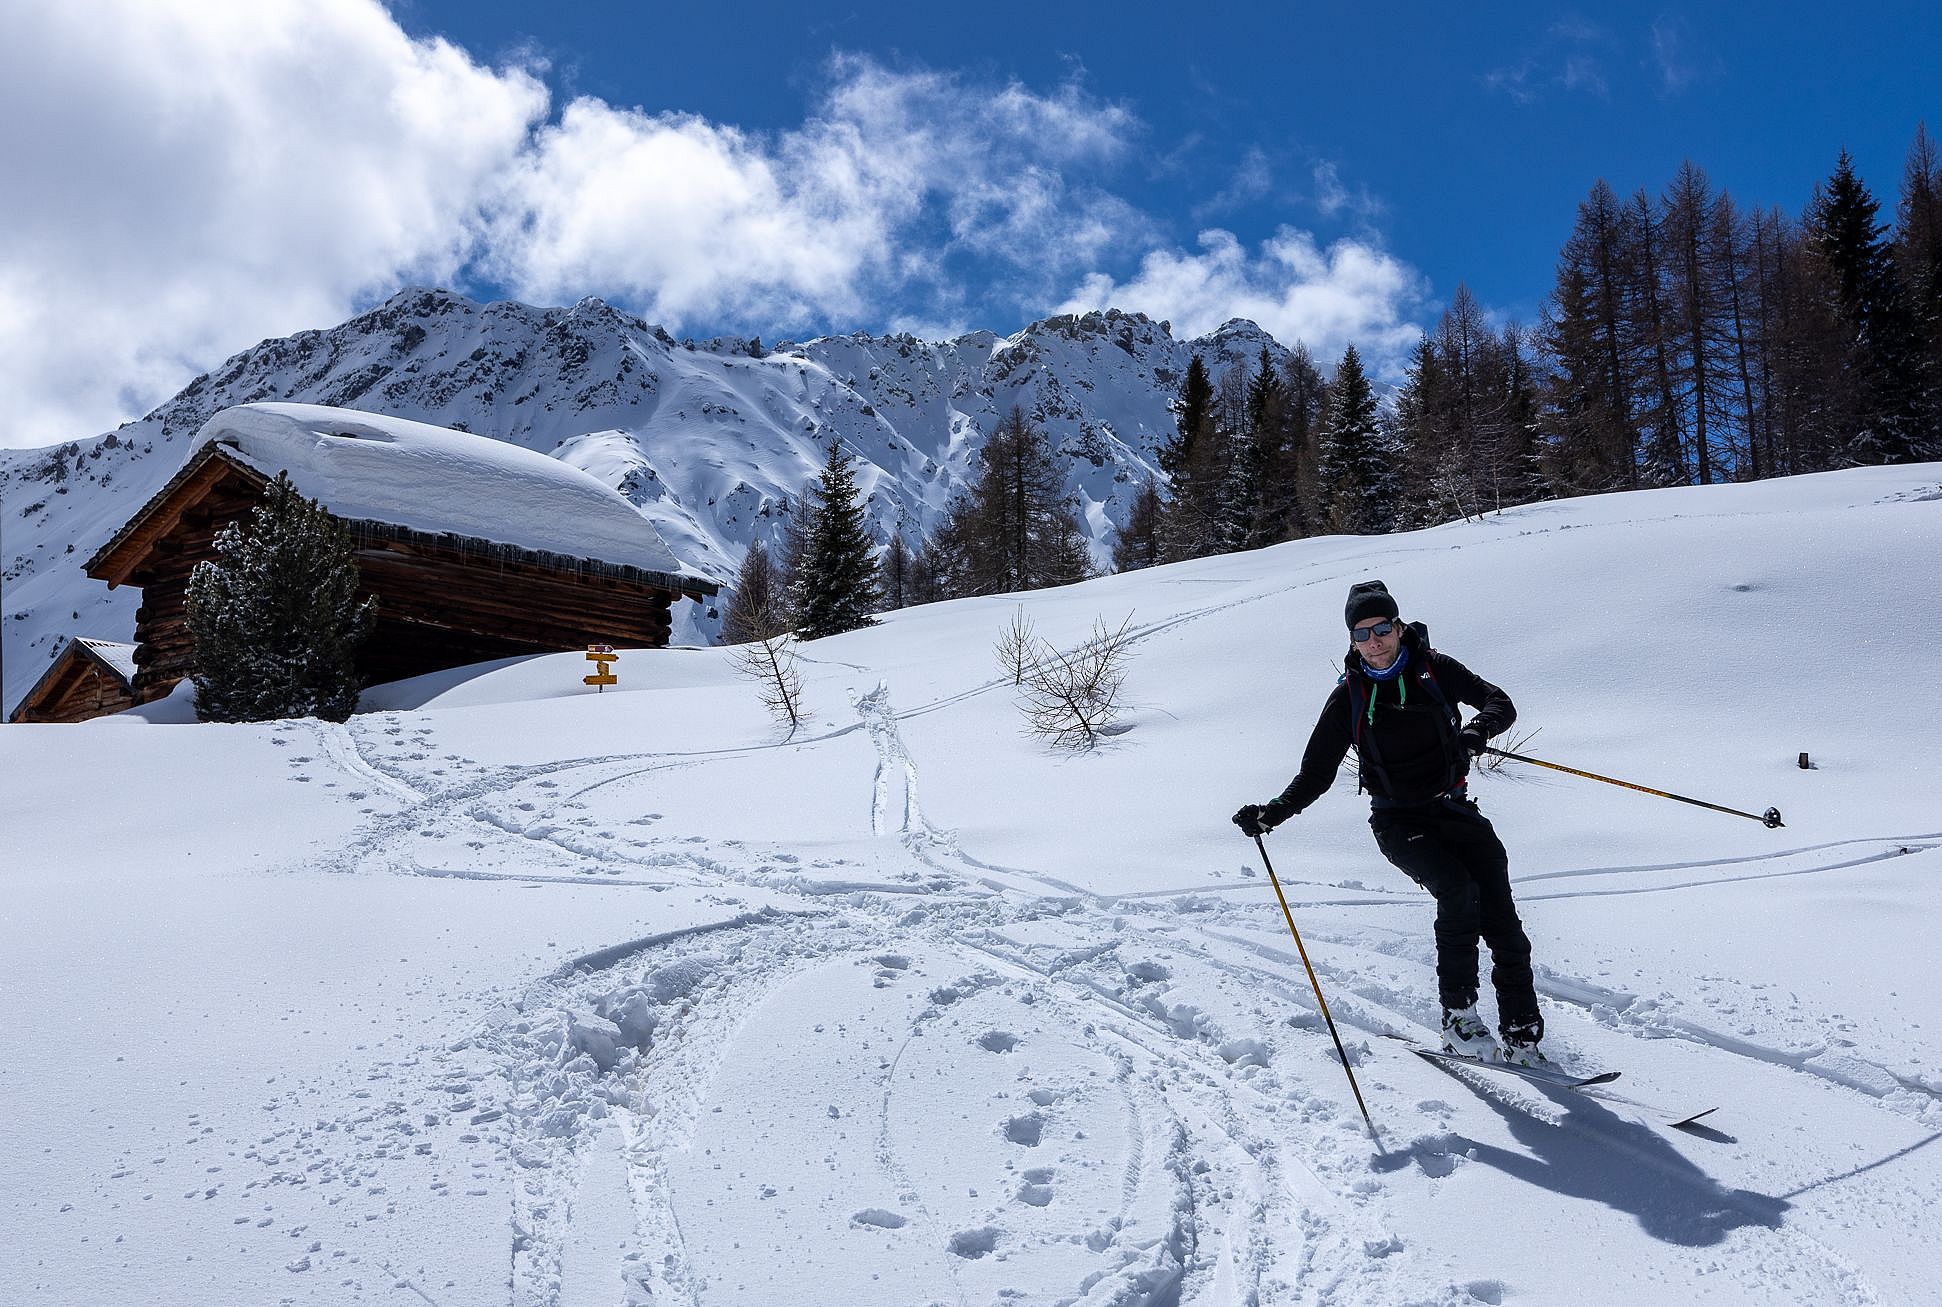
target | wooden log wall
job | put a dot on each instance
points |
(81, 690)
(438, 607)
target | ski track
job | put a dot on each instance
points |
(1240, 1117)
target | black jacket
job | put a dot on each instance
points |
(1409, 751)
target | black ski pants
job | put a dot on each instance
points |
(1450, 849)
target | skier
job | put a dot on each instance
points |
(1396, 703)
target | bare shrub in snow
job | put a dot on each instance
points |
(1071, 698)
(1017, 648)
(772, 665)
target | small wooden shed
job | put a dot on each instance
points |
(474, 548)
(89, 678)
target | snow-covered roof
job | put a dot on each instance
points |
(372, 468)
(119, 658)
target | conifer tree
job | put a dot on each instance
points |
(1251, 453)
(1192, 411)
(1588, 403)
(1358, 466)
(1845, 234)
(1918, 252)
(757, 603)
(1137, 544)
(1196, 467)
(893, 575)
(276, 615)
(835, 577)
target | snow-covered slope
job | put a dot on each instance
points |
(709, 442)
(620, 998)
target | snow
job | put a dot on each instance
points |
(366, 467)
(120, 657)
(506, 990)
(709, 444)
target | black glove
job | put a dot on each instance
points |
(1260, 818)
(1473, 740)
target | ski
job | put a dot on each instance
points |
(1564, 1080)
(1541, 1075)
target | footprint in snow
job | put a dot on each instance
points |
(1036, 1191)
(997, 1041)
(974, 1243)
(1025, 1130)
(878, 1217)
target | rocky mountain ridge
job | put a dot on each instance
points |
(712, 440)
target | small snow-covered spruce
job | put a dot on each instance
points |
(771, 664)
(835, 577)
(1071, 698)
(276, 615)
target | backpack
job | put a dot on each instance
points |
(1448, 720)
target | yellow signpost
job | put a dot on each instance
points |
(602, 656)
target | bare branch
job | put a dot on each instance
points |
(772, 665)
(1017, 647)
(1071, 698)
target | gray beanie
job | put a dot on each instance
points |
(1369, 599)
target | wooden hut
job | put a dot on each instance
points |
(474, 548)
(90, 678)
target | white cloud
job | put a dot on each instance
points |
(182, 180)
(686, 218)
(1334, 198)
(1351, 292)
(1672, 45)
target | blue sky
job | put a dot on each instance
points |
(1463, 135)
(190, 176)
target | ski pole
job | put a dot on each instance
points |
(1770, 818)
(1339, 1050)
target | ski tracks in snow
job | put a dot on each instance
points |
(1172, 1027)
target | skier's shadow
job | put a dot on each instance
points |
(1597, 1155)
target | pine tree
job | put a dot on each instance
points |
(1192, 411)
(1253, 451)
(276, 616)
(757, 603)
(1845, 234)
(1358, 466)
(835, 581)
(1196, 466)
(1137, 544)
(1918, 253)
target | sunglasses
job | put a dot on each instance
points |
(1381, 629)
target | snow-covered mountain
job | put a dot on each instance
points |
(710, 439)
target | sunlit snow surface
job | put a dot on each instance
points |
(366, 467)
(511, 992)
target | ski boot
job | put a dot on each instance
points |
(1465, 1034)
(1524, 1045)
